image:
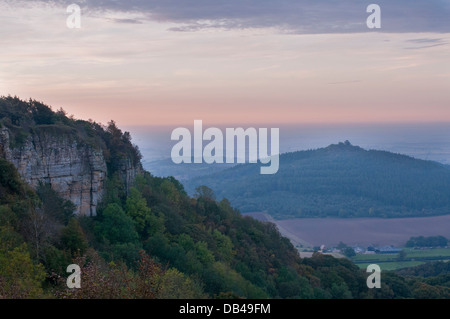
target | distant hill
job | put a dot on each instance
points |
(182, 172)
(340, 180)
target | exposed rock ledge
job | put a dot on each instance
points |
(76, 171)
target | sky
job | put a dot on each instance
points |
(257, 62)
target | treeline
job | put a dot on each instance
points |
(430, 279)
(429, 270)
(431, 241)
(340, 180)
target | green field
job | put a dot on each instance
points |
(414, 257)
(393, 265)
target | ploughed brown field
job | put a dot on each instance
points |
(358, 231)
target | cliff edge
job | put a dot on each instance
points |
(59, 154)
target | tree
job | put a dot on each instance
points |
(9, 238)
(224, 246)
(41, 222)
(147, 285)
(204, 192)
(341, 246)
(340, 291)
(116, 226)
(431, 241)
(136, 207)
(176, 285)
(101, 280)
(401, 255)
(10, 182)
(349, 252)
(53, 205)
(346, 250)
(146, 223)
(170, 190)
(73, 237)
(42, 114)
(19, 276)
(423, 290)
(204, 255)
(39, 230)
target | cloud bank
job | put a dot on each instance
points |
(294, 16)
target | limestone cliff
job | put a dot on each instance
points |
(77, 171)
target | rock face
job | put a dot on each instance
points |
(76, 171)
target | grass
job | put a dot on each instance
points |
(414, 257)
(374, 257)
(394, 265)
(427, 252)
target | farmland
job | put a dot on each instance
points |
(309, 232)
(364, 231)
(412, 257)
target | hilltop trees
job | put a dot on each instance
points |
(32, 117)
